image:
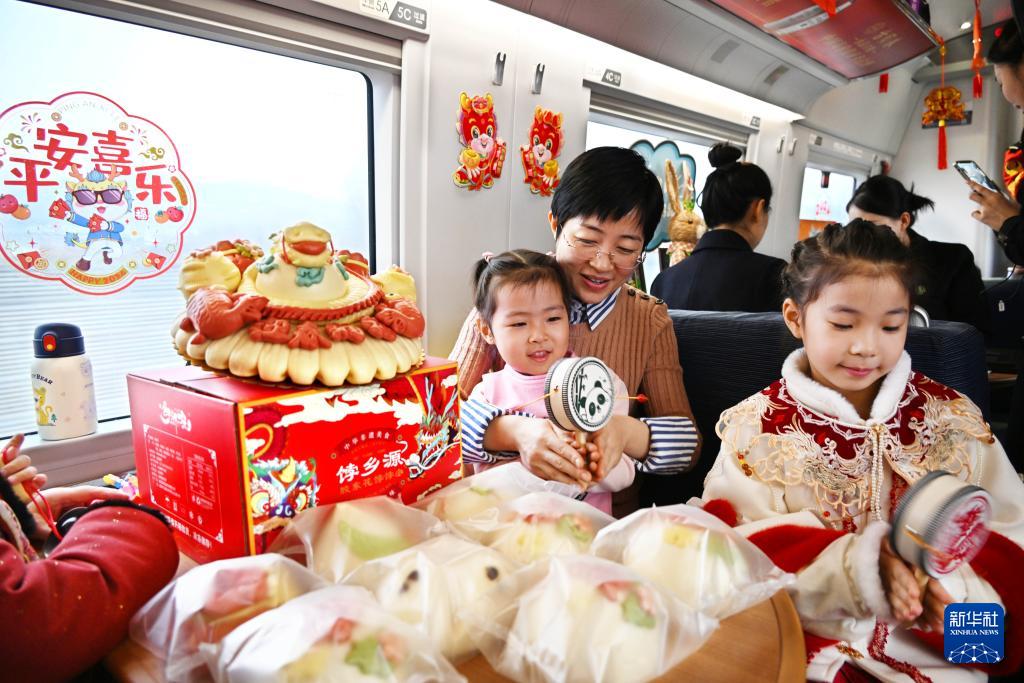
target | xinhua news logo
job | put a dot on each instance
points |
(974, 633)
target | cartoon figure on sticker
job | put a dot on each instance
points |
(97, 200)
(539, 155)
(483, 153)
(438, 433)
(97, 203)
(44, 413)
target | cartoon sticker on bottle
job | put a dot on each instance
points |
(90, 195)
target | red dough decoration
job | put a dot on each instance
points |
(483, 153)
(302, 313)
(539, 154)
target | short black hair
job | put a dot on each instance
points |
(609, 183)
(519, 268)
(858, 248)
(885, 196)
(732, 187)
(1007, 48)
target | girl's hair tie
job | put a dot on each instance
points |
(487, 256)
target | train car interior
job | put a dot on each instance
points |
(426, 134)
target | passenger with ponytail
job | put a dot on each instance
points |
(724, 273)
(950, 287)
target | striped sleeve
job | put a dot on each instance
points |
(476, 415)
(673, 444)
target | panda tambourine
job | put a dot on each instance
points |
(579, 394)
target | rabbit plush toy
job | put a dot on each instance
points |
(685, 226)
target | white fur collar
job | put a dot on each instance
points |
(797, 374)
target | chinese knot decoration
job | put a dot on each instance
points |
(539, 155)
(91, 195)
(483, 152)
(942, 106)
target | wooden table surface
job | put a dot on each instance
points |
(763, 644)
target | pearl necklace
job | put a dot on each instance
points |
(876, 468)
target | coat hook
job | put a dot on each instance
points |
(781, 145)
(792, 146)
(499, 69)
(538, 79)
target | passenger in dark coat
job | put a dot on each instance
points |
(724, 273)
(950, 287)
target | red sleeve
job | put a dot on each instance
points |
(62, 614)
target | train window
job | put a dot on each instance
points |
(823, 199)
(260, 140)
(600, 134)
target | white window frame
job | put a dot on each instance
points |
(253, 25)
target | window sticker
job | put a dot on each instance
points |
(90, 195)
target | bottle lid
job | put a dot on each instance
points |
(57, 340)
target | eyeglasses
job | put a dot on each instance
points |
(588, 250)
(90, 197)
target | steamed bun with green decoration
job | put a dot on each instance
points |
(475, 499)
(696, 556)
(584, 620)
(335, 539)
(541, 525)
(335, 635)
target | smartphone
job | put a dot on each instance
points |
(971, 171)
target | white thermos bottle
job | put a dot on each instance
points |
(62, 383)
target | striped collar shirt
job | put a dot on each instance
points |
(593, 314)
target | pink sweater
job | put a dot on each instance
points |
(507, 389)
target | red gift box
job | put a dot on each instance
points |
(230, 461)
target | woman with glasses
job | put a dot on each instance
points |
(724, 273)
(603, 212)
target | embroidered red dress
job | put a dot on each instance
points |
(814, 484)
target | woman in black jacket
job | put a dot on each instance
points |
(724, 273)
(950, 287)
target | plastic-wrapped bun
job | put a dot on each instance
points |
(428, 584)
(203, 606)
(333, 540)
(539, 525)
(479, 496)
(335, 635)
(584, 620)
(699, 558)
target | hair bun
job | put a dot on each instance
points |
(723, 154)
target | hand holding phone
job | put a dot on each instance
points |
(972, 172)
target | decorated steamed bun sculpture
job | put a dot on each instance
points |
(941, 523)
(579, 394)
(302, 313)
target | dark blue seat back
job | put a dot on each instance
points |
(726, 357)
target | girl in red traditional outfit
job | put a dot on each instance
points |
(814, 465)
(64, 612)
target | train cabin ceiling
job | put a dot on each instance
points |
(702, 38)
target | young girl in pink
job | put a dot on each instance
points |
(814, 465)
(523, 300)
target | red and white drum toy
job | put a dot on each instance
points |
(940, 523)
